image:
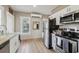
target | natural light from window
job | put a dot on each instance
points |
(0, 16)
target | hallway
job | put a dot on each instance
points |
(33, 46)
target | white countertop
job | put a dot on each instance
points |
(6, 37)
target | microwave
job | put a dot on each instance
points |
(76, 16)
(67, 18)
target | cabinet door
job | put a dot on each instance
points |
(17, 42)
(57, 16)
(12, 45)
(54, 41)
(74, 8)
(70, 9)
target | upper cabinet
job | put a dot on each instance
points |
(70, 9)
(65, 12)
(57, 16)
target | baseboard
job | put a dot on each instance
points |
(31, 38)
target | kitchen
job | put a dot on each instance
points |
(58, 30)
(67, 35)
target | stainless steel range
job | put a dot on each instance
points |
(59, 44)
(68, 42)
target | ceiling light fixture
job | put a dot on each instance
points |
(34, 5)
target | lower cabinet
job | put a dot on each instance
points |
(54, 41)
(14, 44)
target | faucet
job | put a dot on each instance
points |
(1, 32)
(3, 29)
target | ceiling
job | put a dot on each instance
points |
(43, 9)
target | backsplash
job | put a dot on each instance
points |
(71, 25)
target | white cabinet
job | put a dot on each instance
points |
(61, 13)
(70, 9)
(73, 8)
(54, 41)
(14, 44)
(57, 16)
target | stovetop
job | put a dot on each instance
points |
(69, 35)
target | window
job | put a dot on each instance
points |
(25, 25)
(0, 16)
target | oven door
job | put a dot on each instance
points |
(59, 42)
(76, 16)
(65, 45)
(72, 46)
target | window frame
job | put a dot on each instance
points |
(2, 14)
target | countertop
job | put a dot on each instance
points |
(6, 37)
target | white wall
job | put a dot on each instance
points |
(34, 33)
(10, 23)
(18, 25)
(37, 33)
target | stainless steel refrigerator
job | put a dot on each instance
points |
(46, 33)
(48, 27)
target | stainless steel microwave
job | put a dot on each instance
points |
(67, 18)
(76, 16)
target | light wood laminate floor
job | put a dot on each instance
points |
(33, 46)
